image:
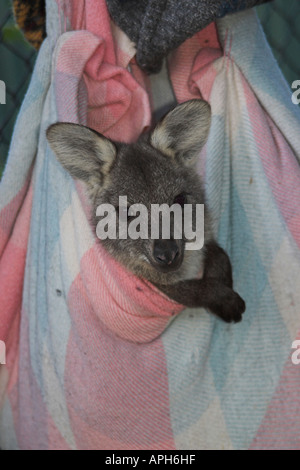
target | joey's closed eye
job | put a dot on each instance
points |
(181, 199)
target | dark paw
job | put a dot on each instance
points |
(217, 264)
(230, 307)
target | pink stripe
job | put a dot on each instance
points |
(35, 430)
(94, 17)
(194, 55)
(118, 105)
(204, 72)
(55, 439)
(9, 213)
(280, 429)
(12, 266)
(279, 162)
(117, 392)
(128, 306)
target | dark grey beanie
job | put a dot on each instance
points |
(159, 26)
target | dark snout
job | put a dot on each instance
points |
(167, 255)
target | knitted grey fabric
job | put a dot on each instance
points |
(159, 26)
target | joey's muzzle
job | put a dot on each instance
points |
(167, 255)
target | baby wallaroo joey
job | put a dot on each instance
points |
(158, 169)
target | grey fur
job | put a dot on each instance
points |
(155, 170)
(183, 131)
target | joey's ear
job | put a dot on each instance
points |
(183, 132)
(85, 154)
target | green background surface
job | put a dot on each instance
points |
(16, 61)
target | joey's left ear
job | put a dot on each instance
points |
(183, 132)
(85, 154)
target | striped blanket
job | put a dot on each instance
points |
(97, 359)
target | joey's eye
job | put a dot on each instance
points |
(181, 199)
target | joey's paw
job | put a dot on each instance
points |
(230, 307)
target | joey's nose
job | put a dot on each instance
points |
(165, 252)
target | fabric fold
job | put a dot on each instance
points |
(159, 26)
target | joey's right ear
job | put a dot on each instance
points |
(182, 133)
(85, 154)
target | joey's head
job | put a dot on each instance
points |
(158, 169)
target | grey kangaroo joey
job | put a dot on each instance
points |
(160, 168)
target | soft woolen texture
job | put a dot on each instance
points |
(139, 19)
(87, 365)
(159, 26)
